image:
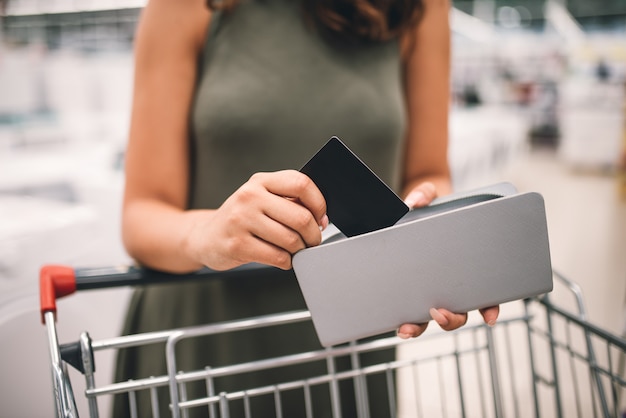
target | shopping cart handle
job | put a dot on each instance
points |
(57, 281)
(54, 282)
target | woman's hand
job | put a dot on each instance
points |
(420, 196)
(448, 321)
(266, 220)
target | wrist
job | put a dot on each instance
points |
(192, 247)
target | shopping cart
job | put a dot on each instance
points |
(539, 360)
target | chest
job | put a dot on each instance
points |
(271, 91)
(263, 68)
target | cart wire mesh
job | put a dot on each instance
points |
(540, 360)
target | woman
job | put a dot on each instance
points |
(229, 98)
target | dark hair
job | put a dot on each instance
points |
(377, 20)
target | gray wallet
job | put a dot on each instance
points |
(462, 252)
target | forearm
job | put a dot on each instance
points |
(156, 234)
(428, 92)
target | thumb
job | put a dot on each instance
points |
(421, 195)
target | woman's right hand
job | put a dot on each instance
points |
(268, 219)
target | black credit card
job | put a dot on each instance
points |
(357, 200)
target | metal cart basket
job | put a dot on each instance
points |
(540, 360)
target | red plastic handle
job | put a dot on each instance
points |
(54, 282)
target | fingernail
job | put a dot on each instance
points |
(324, 223)
(438, 317)
(492, 323)
(404, 336)
(414, 198)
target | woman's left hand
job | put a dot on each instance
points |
(420, 196)
(448, 321)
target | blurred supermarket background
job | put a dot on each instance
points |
(539, 91)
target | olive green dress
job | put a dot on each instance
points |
(271, 91)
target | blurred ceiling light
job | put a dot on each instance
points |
(509, 17)
(514, 17)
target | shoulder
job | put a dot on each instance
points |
(174, 22)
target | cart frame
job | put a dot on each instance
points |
(595, 377)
